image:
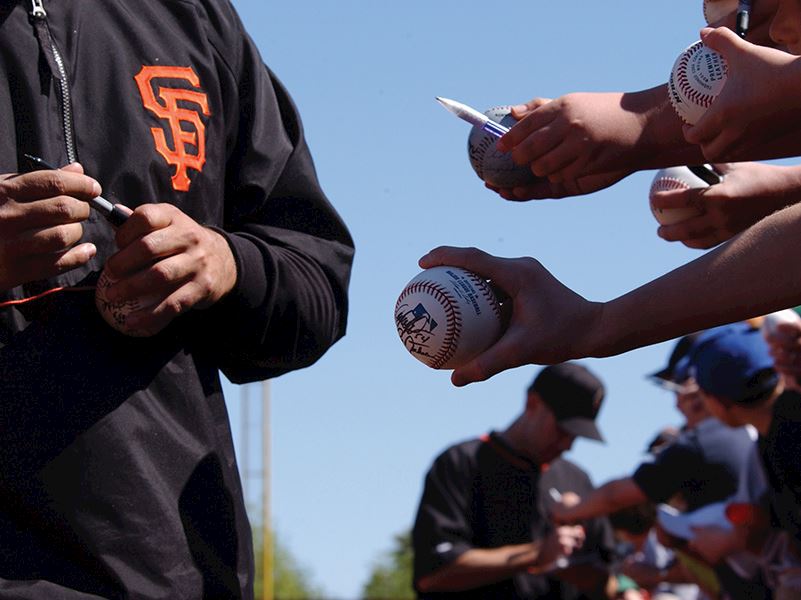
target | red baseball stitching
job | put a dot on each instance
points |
(486, 291)
(683, 83)
(666, 184)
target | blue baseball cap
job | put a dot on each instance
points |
(732, 362)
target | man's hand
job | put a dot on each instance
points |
(167, 264)
(40, 223)
(560, 543)
(756, 105)
(560, 511)
(747, 193)
(545, 189)
(549, 323)
(573, 136)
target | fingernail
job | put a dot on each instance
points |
(96, 189)
(89, 250)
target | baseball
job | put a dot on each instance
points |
(116, 313)
(697, 78)
(446, 316)
(674, 178)
(771, 322)
(494, 167)
(715, 10)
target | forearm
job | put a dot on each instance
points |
(661, 141)
(290, 309)
(481, 566)
(612, 496)
(748, 276)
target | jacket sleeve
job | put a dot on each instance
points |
(293, 252)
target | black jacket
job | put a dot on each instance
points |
(117, 470)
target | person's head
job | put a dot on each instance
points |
(785, 28)
(633, 523)
(561, 404)
(675, 377)
(733, 368)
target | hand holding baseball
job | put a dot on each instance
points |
(494, 167)
(757, 104)
(573, 136)
(549, 323)
(167, 264)
(445, 316)
(545, 189)
(747, 193)
(40, 223)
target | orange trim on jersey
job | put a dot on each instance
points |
(163, 102)
(508, 456)
(45, 293)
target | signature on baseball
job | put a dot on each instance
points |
(415, 327)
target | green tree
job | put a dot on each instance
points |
(291, 581)
(391, 577)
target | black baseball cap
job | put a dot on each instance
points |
(670, 377)
(574, 395)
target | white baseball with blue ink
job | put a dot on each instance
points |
(447, 316)
(495, 167)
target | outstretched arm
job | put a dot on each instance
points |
(551, 323)
(584, 134)
(611, 496)
(749, 191)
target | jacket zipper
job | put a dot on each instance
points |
(39, 16)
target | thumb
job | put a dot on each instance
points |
(521, 110)
(72, 168)
(721, 39)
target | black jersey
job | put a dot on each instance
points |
(480, 494)
(117, 469)
(780, 450)
(702, 465)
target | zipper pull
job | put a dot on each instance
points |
(37, 9)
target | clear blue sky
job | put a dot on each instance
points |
(353, 435)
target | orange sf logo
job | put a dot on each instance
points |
(165, 106)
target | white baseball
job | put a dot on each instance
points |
(715, 10)
(446, 316)
(697, 78)
(773, 320)
(674, 178)
(116, 313)
(494, 167)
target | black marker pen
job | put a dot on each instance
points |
(112, 212)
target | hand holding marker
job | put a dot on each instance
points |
(116, 214)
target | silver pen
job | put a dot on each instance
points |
(743, 17)
(555, 495)
(471, 115)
